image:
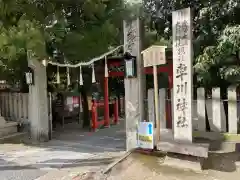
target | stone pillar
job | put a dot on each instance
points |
(182, 74)
(134, 87)
(232, 110)
(151, 110)
(201, 117)
(38, 103)
(162, 108)
(2, 120)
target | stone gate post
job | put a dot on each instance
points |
(38, 102)
(134, 87)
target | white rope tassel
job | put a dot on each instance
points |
(80, 77)
(58, 76)
(68, 77)
(106, 67)
(93, 74)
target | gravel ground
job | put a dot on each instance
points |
(142, 167)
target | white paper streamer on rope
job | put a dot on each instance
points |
(80, 76)
(93, 74)
(68, 77)
(106, 68)
(88, 62)
(58, 76)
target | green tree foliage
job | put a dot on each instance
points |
(64, 30)
(221, 62)
(216, 35)
(78, 29)
(17, 35)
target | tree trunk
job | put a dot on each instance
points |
(86, 117)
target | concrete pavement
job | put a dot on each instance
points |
(69, 154)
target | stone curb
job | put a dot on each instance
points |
(105, 170)
(12, 136)
(113, 164)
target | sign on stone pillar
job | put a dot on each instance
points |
(182, 72)
(134, 87)
(38, 103)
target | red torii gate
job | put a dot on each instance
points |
(116, 69)
(118, 63)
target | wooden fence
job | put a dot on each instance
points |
(14, 106)
(204, 110)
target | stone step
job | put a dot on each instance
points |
(8, 128)
(18, 137)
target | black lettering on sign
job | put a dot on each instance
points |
(131, 36)
(182, 88)
(181, 121)
(182, 29)
(145, 138)
(181, 71)
(181, 104)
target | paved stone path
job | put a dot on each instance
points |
(70, 153)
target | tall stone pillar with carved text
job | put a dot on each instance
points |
(182, 74)
(134, 87)
(38, 102)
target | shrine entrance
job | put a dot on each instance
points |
(103, 72)
(165, 80)
(104, 96)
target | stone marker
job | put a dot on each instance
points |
(182, 141)
(182, 74)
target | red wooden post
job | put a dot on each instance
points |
(94, 115)
(116, 111)
(106, 103)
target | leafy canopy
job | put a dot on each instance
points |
(216, 35)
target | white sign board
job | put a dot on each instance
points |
(182, 74)
(154, 55)
(145, 135)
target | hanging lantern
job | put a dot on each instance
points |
(29, 76)
(106, 67)
(130, 65)
(68, 77)
(58, 76)
(93, 74)
(80, 77)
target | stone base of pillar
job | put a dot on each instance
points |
(7, 128)
(2, 121)
(184, 162)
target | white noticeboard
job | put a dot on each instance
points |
(145, 135)
(154, 55)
